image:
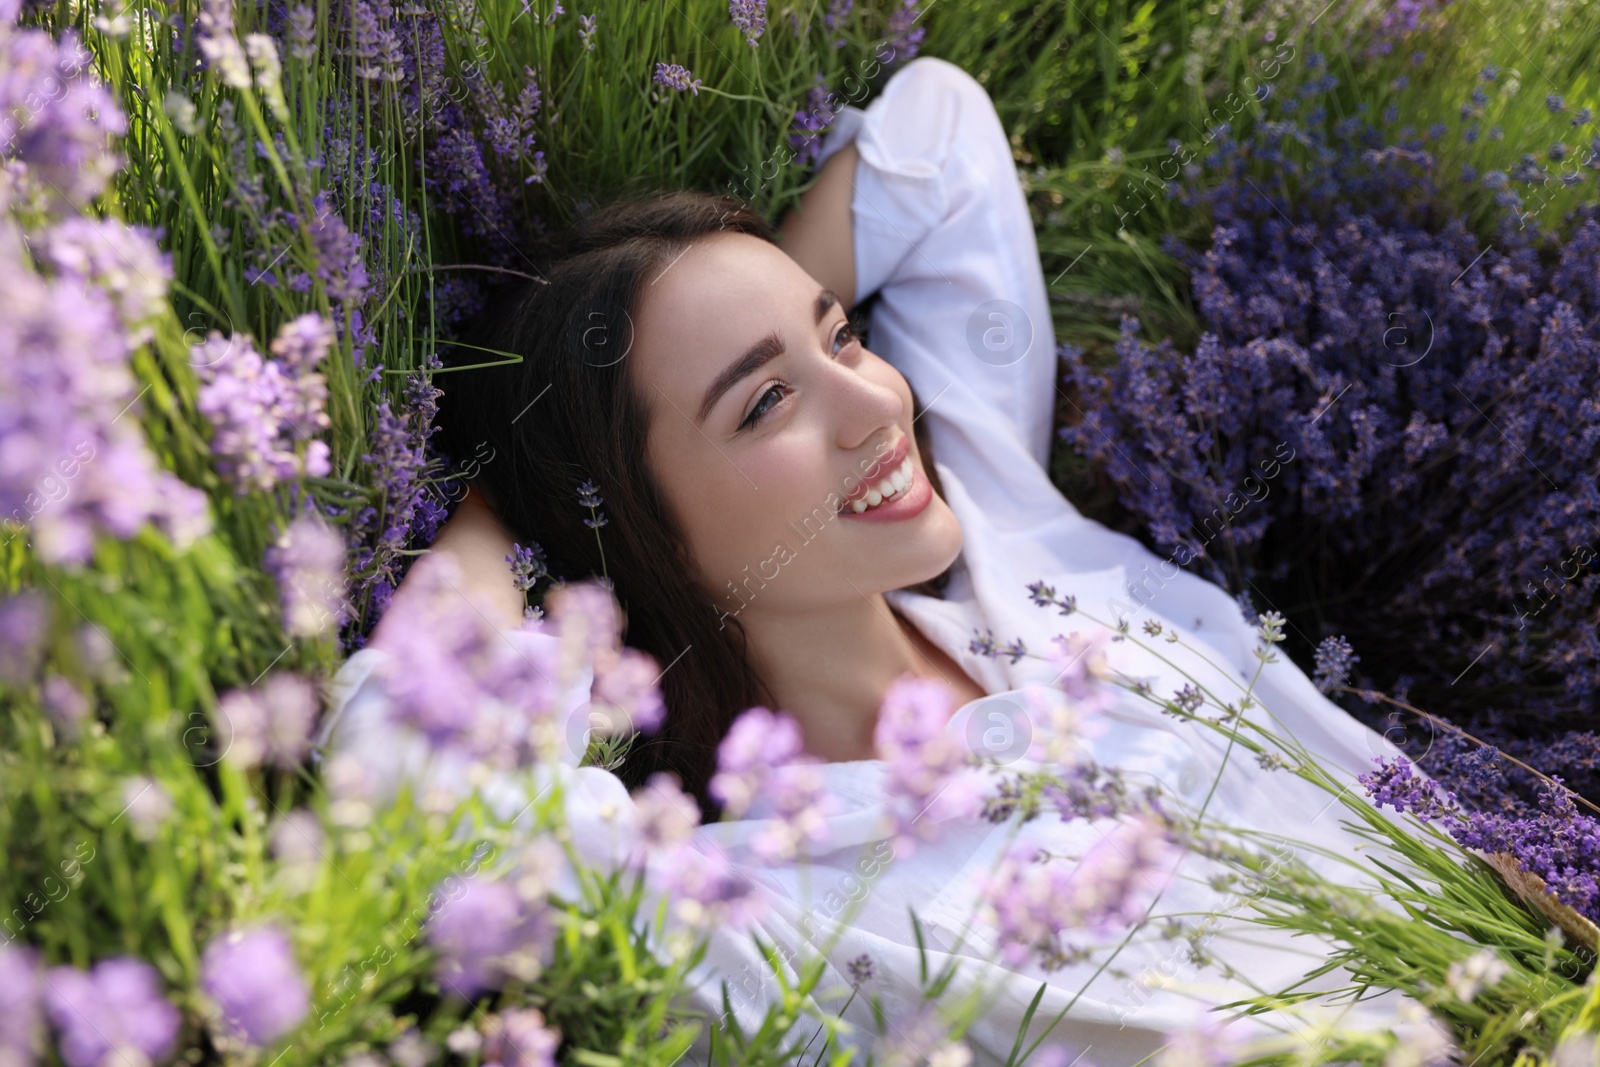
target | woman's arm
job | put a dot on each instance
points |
(939, 227)
(479, 544)
(819, 234)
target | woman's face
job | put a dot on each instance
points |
(767, 418)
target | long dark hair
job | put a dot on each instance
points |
(567, 414)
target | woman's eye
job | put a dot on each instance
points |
(762, 407)
(847, 333)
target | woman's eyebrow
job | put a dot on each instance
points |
(757, 355)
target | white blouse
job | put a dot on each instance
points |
(942, 232)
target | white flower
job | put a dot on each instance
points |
(1477, 972)
(146, 804)
(954, 1054)
(1423, 1041)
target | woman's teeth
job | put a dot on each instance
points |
(885, 488)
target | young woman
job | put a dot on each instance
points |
(780, 534)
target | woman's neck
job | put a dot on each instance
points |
(829, 670)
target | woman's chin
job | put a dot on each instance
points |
(928, 552)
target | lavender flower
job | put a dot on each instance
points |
(1423, 1039)
(510, 132)
(479, 929)
(930, 777)
(903, 39)
(860, 969)
(1394, 784)
(1188, 699)
(374, 48)
(220, 46)
(1431, 444)
(75, 461)
(116, 1007)
(307, 562)
(667, 816)
(55, 120)
(24, 619)
(586, 28)
(758, 741)
(302, 33)
(527, 566)
(264, 60)
(519, 1037)
(20, 1017)
(810, 121)
(411, 1049)
(1335, 657)
(676, 77)
(340, 266)
(589, 497)
(1556, 845)
(1034, 902)
(708, 890)
(796, 807)
(122, 262)
(1083, 673)
(749, 17)
(625, 682)
(262, 409)
(399, 458)
(252, 977)
(454, 678)
(270, 723)
(297, 839)
(585, 616)
(919, 1037)
(65, 704)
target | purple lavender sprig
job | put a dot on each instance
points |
(1335, 658)
(1035, 900)
(904, 36)
(253, 979)
(674, 76)
(118, 1004)
(527, 566)
(750, 18)
(589, 497)
(482, 932)
(810, 121)
(1556, 844)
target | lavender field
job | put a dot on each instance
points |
(1325, 282)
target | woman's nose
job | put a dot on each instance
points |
(865, 399)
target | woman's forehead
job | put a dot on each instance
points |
(710, 304)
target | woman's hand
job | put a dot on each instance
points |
(479, 544)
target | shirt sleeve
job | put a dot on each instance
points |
(944, 236)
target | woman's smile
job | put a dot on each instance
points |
(906, 503)
(890, 491)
